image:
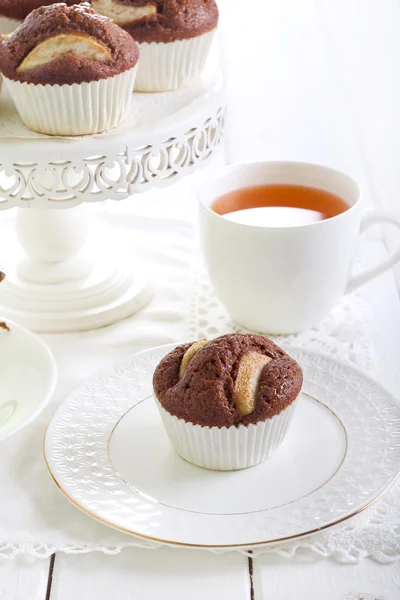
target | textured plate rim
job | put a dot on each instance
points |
(374, 498)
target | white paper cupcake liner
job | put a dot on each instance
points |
(8, 25)
(165, 67)
(227, 448)
(77, 109)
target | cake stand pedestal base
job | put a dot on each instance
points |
(57, 287)
(60, 284)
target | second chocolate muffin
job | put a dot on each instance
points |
(174, 38)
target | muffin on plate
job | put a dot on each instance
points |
(227, 404)
(174, 38)
(69, 70)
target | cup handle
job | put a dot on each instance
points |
(374, 217)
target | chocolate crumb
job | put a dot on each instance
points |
(3, 325)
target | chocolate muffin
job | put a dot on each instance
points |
(239, 388)
(70, 71)
(161, 20)
(174, 37)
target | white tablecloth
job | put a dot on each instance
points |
(157, 235)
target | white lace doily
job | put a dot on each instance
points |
(344, 334)
(183, 308)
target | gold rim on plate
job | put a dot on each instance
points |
(216, 546)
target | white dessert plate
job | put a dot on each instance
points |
(108, 453)
(28, 376)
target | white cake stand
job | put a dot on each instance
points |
(60, 284)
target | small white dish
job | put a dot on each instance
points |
(28, 376)
(107, 451)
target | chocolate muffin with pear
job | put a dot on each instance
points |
(69, 70)
(227, 403)
(174, 38)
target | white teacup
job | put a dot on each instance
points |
(285, 280)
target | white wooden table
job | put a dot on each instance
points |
(306, 79)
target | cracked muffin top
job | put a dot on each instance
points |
(161, 20)
(62, 44)
(234, 379)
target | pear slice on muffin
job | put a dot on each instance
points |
(247, 381)
(80, 44)
(189, 354)
(123, 14)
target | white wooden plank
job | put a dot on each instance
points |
(167, 574)
(284, 99)
(364, 37)
(23, 579)
(317, 81)
(280, 579)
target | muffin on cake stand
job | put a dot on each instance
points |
(174, 38)
(58, 283)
